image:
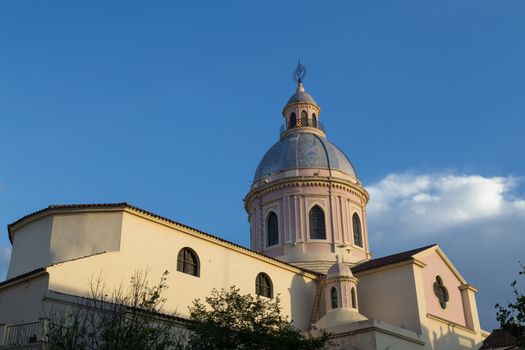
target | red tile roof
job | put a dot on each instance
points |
(388, 260)
(500, 338)
(124, 205)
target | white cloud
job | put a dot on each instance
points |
(431, 203)
(478, 221)
(5, 254)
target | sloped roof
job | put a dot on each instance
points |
(500, 338)
(23, 276)
(389, 259)
(124, 205)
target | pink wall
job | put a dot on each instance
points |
(454, 308)
(292, 205)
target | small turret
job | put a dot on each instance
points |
(340, 293)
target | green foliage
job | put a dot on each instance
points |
(234, 321)
(512, 317)
(128, 320)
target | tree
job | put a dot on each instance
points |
(512, 317)
(123, 319)
(234, 321)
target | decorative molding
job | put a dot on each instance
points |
(445, 259)
(411, 261)
(328, 280)
(449, 323)
(375, 328)
(302, 182)
(469, 287)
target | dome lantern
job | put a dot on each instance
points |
(301, 110)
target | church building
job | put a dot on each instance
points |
(309, 245)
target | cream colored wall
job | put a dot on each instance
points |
(31, 247)
(148, 245)
(221, 267)
(374, 334)
(21, 302)
(399, 294)
(443, 335)
(390, 295)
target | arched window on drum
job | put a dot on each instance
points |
(317, 223)
(358, 234)
(272, 229)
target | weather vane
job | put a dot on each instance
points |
(300, 72)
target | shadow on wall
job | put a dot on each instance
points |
(447, 338)
(302, 295)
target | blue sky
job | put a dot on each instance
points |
(170, 106)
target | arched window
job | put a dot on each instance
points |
(263, 285)
(333, 297)
(354, 299)
(272, 226)
(314, 120)
(304, 118)
(317, 226)
(293, 121)
(188, 262)
(356, 225)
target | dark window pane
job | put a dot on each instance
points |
(273, 229)
(293, 121)
(333, 295)
(317, 224)
(187, 262)
(304, 118)
(263, 285)
(356, 225)
(354, 300)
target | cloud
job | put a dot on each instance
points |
(5, 254)
(478, 221)
(430, 204)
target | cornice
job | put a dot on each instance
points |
(378, 326)
(329, 280)
(220, 241)
(127, 208)
(66, 209)
(301, 105)
(412, 261)
(450, 323)
(303, 129)
(469, 287)
(23, 277)
(310, 181)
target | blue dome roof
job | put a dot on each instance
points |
(303, 150)
(301, 97)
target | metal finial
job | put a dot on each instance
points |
(300, 72)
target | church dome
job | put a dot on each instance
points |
(303, 150)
